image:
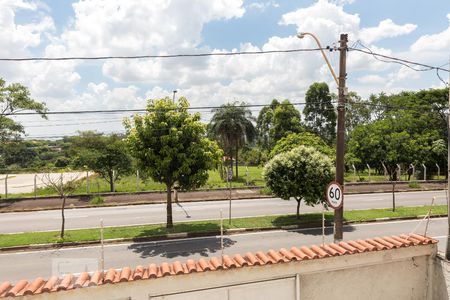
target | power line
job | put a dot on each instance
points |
(158, 56)
(401, 61)
(116, 111)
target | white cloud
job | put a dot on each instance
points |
(117, 27)
(432, 43)
(385, 29)
(263, 5)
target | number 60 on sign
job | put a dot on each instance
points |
(334, 195)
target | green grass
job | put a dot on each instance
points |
(129, 183)
(84, 235)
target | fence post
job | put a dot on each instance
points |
(424, 172)
(413, 170)
(369, 170)
(35, 186)
(6, 186)
(354, 171)
(137, 180)
(399, 172)
(87, 183)
(246, 175)
(439, 172)
(385, 171)
(113, 181)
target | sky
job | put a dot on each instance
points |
(410, 29)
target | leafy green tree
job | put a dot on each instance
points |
(232, 126)
(18, 154)
(15, 98)
(170, 144)
(320, 116)
(390, 142)
(301, 173)
(105, 155)
(286, 120)
(264, 124)
(277, 121)
(294, 140)
(357, 112)
(406, 129)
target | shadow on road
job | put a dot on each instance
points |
(312, 220)
(170, 249)
(203, 246)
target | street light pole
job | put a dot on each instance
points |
(447, 250)
(340, 140)
(173, 97)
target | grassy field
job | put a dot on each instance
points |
(84, 235)
(129, 183)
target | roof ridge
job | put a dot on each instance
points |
(112, 276)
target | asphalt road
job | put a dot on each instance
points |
(189, 211)
(29, 265)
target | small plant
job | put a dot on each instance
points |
(97, 200)
(414, 185)
(265, 191)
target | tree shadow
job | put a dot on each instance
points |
(311, 223)
(182, 247)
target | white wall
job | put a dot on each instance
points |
(404, 273)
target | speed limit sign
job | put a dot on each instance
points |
(334, 194)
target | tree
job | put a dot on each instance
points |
(264, 123)
(406, 129)
(301, 173)
(294, 140)
(64, 188)
(170, 145)
(15, 98)
(105, 155)
(286, 120)
(357, 112)
(232, 126)
(277, 121)
(320, 116)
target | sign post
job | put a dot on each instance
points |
(335, 197)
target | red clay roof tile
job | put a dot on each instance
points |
(34, 286)
(39, 285)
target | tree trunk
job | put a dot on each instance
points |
(111, 182)
(237, 151)
(298, 208)
(169, 206)
(63, 218)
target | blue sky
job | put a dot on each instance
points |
(416, 30)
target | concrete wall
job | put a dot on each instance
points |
(405, 273)
(441, 279)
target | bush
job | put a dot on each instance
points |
(97, 200)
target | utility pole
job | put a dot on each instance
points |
(447, 250)
(173, 97)
(340, 140)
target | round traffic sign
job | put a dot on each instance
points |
(334, 195)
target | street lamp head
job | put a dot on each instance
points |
(301, 35)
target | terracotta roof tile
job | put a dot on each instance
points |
(153, 271)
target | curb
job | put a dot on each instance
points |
(183, 235)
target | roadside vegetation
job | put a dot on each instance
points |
(213, 226)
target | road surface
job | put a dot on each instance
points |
(29, 265)
(189, 211)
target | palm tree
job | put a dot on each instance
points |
(232, 125)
